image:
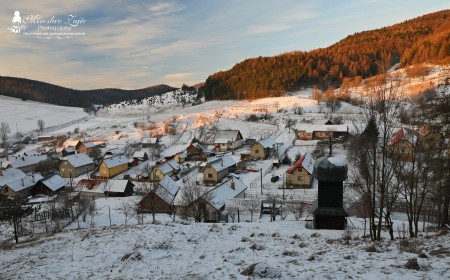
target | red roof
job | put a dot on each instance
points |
(404, 134)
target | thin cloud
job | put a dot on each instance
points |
(268, 28)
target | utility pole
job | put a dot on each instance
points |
(261, 181)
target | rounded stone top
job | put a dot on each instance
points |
(330, 169)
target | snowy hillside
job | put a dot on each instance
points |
(25, 114)
(281, 249)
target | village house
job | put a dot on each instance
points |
(300, 174)
(161, 198)
(168, 168)
(141, 155)
(90, 188)
(263, 148)
(228, 140)
(110, 167)
(49, 186)
(215, 200)
(198, 152)
(85, 147)
(403, 144)
(74, 165)
(20, 187)
(216, 169)
(42, 138)
(318, 132)
(113, 152)
(28, 163)
(149, 142)
(180, 157)
(431, 137)
(116, 188)
(10, 174)
(68, 151)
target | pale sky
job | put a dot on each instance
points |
(135, 44)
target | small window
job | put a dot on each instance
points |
(256, 151)
(209, 175)
(403, 150)
(300, 178)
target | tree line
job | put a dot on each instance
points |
(423, 39)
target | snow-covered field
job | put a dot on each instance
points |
(185, 250)
(23, 115)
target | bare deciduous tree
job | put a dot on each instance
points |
(41, 124)
(93, 211)
(290, 123)
(4, 131)
(232, 212)
(252, 206)
(147, 191)
(296, 208)
(193, 198)
(128, 209)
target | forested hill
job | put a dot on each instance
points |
(423, 39)
(53, 94)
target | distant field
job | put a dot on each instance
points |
(25, 114)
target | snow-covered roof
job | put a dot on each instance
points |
(89, 144)
(182, 155)
(118, 186)
(10, 175)
(70, 150)
(115, 151)
(116, 161)
(225, 191)
(139, 154)
(222, 163)
(31, 153)
(310, 128)
(267, 142)
(198, 146)
(149, 140)
(306, 161)
(78, 160)
(167, 189)
(28, 160)
(168, 166)
(54, 182)
(225, 136)
(337, 161)
(24, 183)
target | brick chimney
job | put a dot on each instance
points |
(232, 186)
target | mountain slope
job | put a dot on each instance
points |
(423, 39)
(48, 93)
